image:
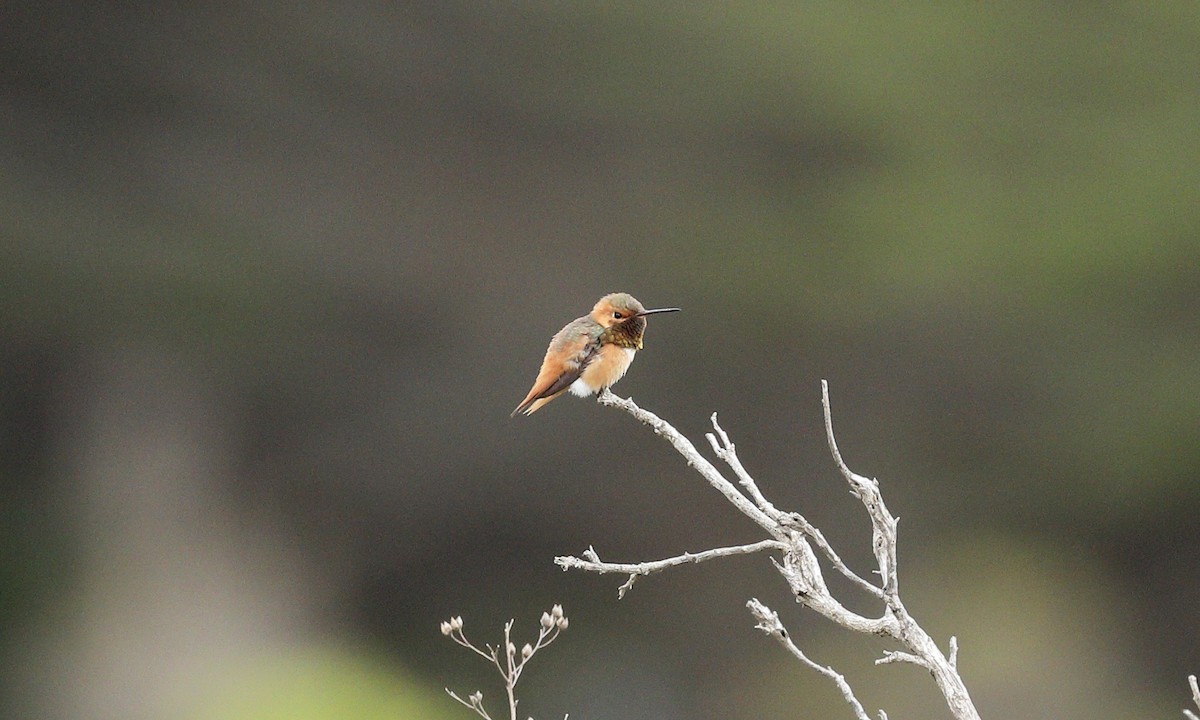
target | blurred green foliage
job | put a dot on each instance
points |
(318, 683)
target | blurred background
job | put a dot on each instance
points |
(273, 275)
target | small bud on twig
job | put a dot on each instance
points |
(511, 670)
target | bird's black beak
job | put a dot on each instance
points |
(658, 310)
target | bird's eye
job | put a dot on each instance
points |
(618, 315)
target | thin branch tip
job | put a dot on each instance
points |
(1195, 698)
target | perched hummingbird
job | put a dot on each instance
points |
(592, 352)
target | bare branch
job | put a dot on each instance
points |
(593, 563)
(800, 566)
(727, 452)
(798, 521)
(693, 457)
(895, 656)
(883, 525)
(1195, 698)
(769, 623)
(803, 574)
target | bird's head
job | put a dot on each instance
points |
(617, 308)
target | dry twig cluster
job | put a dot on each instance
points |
(508, 662)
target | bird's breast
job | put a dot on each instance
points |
(606, 369)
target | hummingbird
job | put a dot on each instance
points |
(592, 352)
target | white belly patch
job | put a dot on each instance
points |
(582, 388)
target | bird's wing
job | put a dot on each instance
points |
(569, 353)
